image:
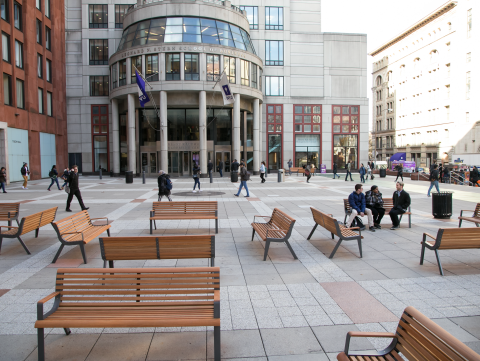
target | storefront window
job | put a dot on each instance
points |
(307, 150)
(274, 151)
(100, 152)
(345, 148)
(149, 126)
(249, 130)
(274, 118)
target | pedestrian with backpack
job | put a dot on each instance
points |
(65, 175)
(335, 170)
(433, 180)
(54, 176)
(244, 177)
(196, 176)
(25, 173)
(164, 186)
(3, 179)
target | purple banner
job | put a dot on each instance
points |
(408, 167)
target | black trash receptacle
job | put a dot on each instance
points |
(442, 205)
(129, 176)
(383, 172)
(234, 176)
(111, 173)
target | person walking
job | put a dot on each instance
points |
(3, 179)
(362, 172)
(349, 171)
(210, 168)
(440, 173)
(65, 177)
(358, 203)
(399, 167)
(308, 172)
(446, 175)
(196, 176)
(262, 171)
(74, 189)
(220, 168)
(474, 176)
(335, 170)
(369, 172)
(433, 180)
(25, 173)
(401, 202)
(243, 180)
(54, 176)
(290, 165)
(374, 202)
(164, 185)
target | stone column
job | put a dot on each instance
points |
(129, 71)
(132, 157)
(182, 66)
(163, 132)
(256, 136)
(236, 129)
(116, 137)
(202, 127)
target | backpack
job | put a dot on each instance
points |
(50, 174)
(169, 184)
(247, 176)
(357, 222)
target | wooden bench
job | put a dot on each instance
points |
(78, 229)
(387, 205)
(450, 238)
(331, 224)
(136, 297)
(475, 218)
(277, 229)
(417, 338)
(297, 170)
(184, 210)
(160, 247)
(29, 223)
(9, 212)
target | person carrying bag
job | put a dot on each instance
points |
(262, 172)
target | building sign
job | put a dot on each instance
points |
(189, 48)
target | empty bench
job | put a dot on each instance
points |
(450, 238)
(475, 218)
(417, 338)
(78, 229)
(161, 247)
(136, 297)
(387, 205)
(298, 170)
(29, 223)
(183, 210)
(331, 224)
(9, 212)
(277, 229)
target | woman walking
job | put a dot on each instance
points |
(164, 186)
(399, 171)
(308, 172)
(3, 178)
(262, 172)
(54, 176)
(196, 176)
(369, 171)
(65, 175)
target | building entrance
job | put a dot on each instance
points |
(149, 163)
(225, 158)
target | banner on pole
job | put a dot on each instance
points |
(142, 94)
(226, 91)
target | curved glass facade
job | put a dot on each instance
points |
(185, 30)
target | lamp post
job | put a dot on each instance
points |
(375, 136)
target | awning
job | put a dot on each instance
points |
(398, 157)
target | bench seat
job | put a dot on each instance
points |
(387, 205)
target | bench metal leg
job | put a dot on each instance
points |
(67, 331)
(216, 226)
(216, 343)
(409, 221)
(58, 253)
(108, 232)
(335, 249)
(110, 264)
(41, 344)
(36, 232)
(460, 223)
(151, 227)
(24, 245)
(267, 246)
(104, 264)
(253, 234)
(291, 250)
(400, 220)
(333, 236)
(82, 248)
(212, 262)
(359, 241)
(313, 230)
(439, 263)
(422, 254)
(155, 224)
(345, 219)
(1, 240)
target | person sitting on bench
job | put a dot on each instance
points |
(401, 202)
(358, 204)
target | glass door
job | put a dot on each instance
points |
(226, 161)
(186, 164)
(218, 158)
(153, 163)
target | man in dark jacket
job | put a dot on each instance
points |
(235, 166)
(474, 176)
(335, 170)
(374, 201)
(210, 168)
(163, 190)
(358, 204)
(243, 180)
(220, 168)
(401, 202)
(74, 189)
(433, 180)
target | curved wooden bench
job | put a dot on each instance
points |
(184, 210)
(475, 218)
(331, 224)
(9, 212)
(78, 229)
(277, 229)
(161, 247)
(387, 205)
(29, 223)
(136, 297)
(450, 238)
(417, 338)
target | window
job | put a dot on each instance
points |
(172, 66)
(245, 72)
(254, 76)
(47, 8)
(469, 22)
(17, 15)
(6, 47)
(4, 10)
(40, 101)
(469, 57)
(39, 31)
(39, 4)
(122, 72)
(39, 66)
(252, 15)
(213, 67)
(100, 138)
(120, 11)
(48, 38)
(99, 52)
(379, 80)
(273, 18)
(48, 66)
(274, 85)
(98, 16)
(274, 52)
(274, 118)
(99, 85)
(260, 80)
(345, 119)
(49, 104)
(229, 67)
(114, 76)
(7, 89)
(20, 94)
(468, 86)
(18, 54)
(151, 63)
(307, 118)
(191, 67)
(136, 62)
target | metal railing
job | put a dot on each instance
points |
(458, 178)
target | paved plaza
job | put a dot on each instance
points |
(278, 309)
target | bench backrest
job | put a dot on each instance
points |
(317, 216)
(9, 210)
(179, 288)
(282, 221)
(330, 224)
(477, 211)
(37, 220)
(159, 247)
(77, 222)
(178, 208)
(419, 338)
(457, 238)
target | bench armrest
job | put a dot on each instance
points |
(40, 314)
(366, 334)
(429, 235)
(73, 233)
(465, 210)
(93, 219)
(7, 227)
(261, 217)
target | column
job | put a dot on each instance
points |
(163, 132)
(182, 66)
(202, 119)
(236, 129)
(260, 131)
(116, 137)
(129, 70)
(256, 136)
(132, 157)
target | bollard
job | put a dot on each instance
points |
(279, 177)
(211, 176)
(100, 173)
(143, 177)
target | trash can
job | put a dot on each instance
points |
(383, 172)
(234, 176)
(281, 175)
(442, 205)
(129, 176)
(111, 173)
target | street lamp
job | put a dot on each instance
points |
(375, 135)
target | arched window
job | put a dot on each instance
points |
(416, 64)
(379, 80)
(434, 56)
(389, 76)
